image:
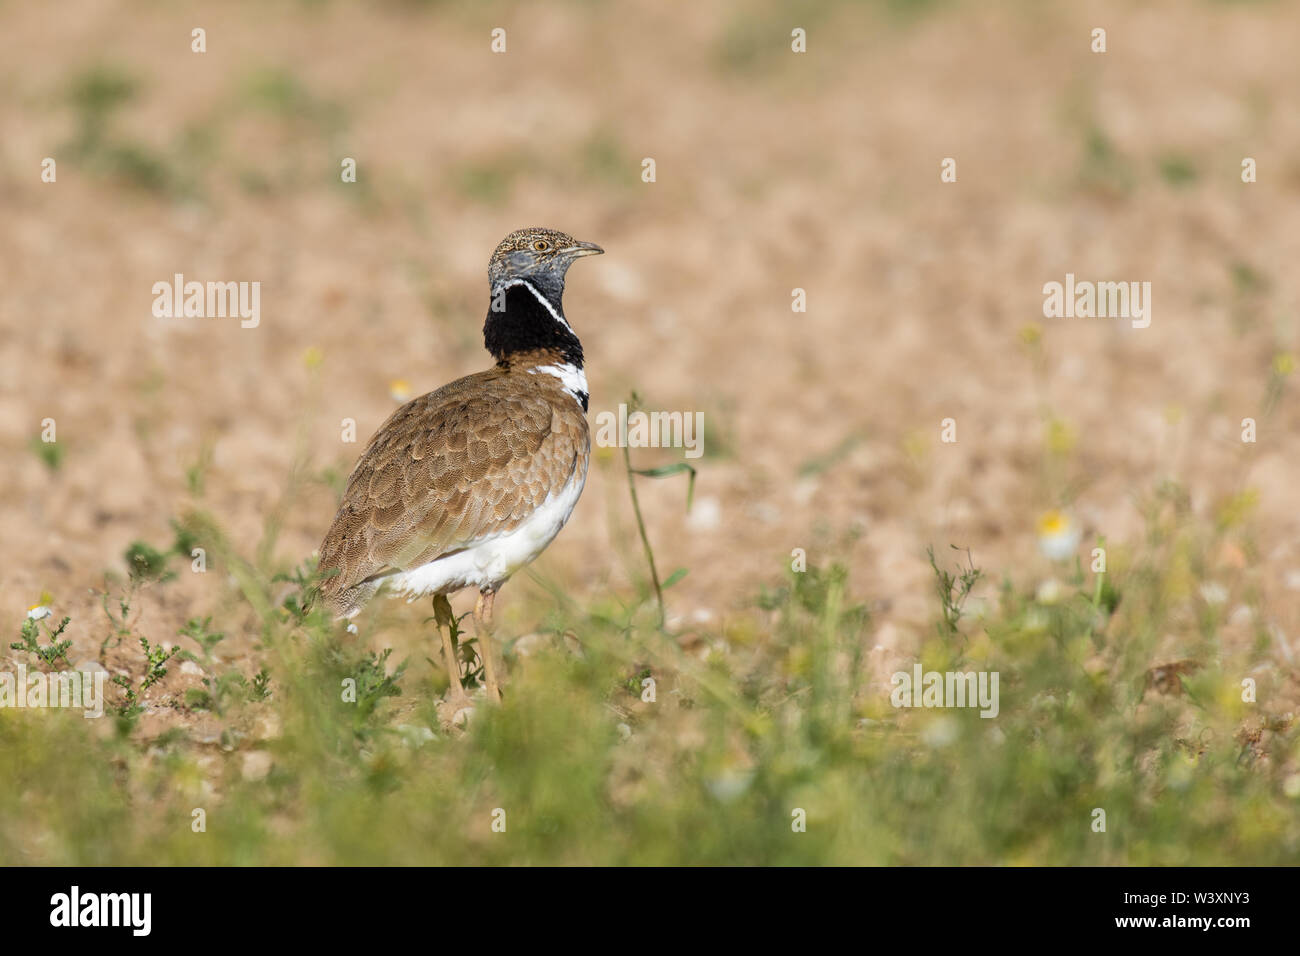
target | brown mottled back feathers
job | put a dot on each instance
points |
(448, 469)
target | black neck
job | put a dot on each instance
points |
(517, 321)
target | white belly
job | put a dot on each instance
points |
(492, 560)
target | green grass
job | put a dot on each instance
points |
(614, 745)
(96, 95)
(1103, 169)
(1177, 169)
(781, 716)
(489, 180)
(49, 452)
(282, 94)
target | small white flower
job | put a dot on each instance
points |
(1058, 536)
(941, 731)
(38, 612)
(729, 783)
(1214, 593)
(1049, 592)
(1291, 786)
(706, 515)
(414, 736)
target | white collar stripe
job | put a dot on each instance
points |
(572, 378)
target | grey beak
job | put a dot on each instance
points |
(582, 249)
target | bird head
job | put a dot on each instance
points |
(540, 256)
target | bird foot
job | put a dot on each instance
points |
(456, 709)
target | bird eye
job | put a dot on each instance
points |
(541, 245)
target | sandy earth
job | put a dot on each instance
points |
(775, 171)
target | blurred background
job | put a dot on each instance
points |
(774, 171)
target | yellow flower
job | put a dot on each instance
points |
(915, 447)
(1283, 363)
(312, 358)
(1060, 437)
(1237, 509)
(400, 389)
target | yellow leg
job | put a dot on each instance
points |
(483, 630)
(443, 615)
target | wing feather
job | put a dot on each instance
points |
(449, 469)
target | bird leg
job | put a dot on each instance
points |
(483, 631)
(446, 620)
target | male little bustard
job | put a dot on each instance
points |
(465, 485)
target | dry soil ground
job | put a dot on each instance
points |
(775, 170)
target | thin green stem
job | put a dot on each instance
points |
(645, 539)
